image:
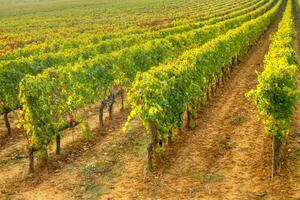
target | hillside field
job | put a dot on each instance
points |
(149, 99)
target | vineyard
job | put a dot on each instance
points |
(149, 99)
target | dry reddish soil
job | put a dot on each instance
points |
(226, 156)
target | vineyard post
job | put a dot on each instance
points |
(101, 108)
(7, 124)
(179, 123)
(161, 142)
(190, 119)
(58, 141)
(275, 157)
(122, 100)
(208, 95)
(170, 137)
(31, 159)
(223, 77)
(213, 90)
(214, 87)
(229, 70)
(231, 64)
(217, 84)
(225, 74)
(111, 107)
(152, 145)
(219, 80)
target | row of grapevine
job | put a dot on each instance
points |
(103, 45)
(14, 71)
(161, 95)
(276, 93)
(17, 34)
(50, 97)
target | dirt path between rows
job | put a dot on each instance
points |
(72, 174)
(83, 170)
